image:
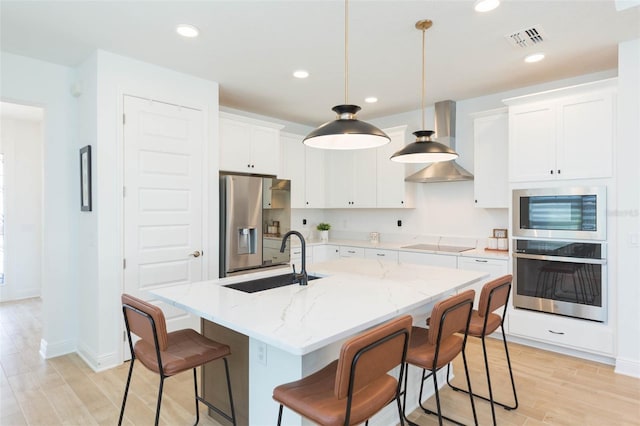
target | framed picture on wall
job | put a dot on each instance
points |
(85, 178)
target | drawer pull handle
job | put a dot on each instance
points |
(556, 332)
(380, 254)
(350, 251)
(481, 261)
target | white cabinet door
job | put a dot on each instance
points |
(325, 252)
(381, 254)
(491, 145)
(563, 134)
(293, 167)
(430, 259)
(339, 179)
(314, 178)
(392, 190)
(249, 146)
(568, 332)
(347, 251)
(586, 133)
(265, 150)
(532, 142)
(351, 179)
(494, 267)
(296, 257)
(235, 146)
(364, 189)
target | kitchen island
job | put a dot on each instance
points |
(293, 331)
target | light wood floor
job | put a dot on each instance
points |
(553, 389)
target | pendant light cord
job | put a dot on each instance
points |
(346, 52)
(423, 77)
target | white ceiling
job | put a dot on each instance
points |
(252, 47)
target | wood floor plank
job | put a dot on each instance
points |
(553, 389)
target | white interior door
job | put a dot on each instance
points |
(163, 200)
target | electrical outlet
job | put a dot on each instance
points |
(262, 353)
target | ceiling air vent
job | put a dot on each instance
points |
(527, 37)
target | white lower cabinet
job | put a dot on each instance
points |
(296, 257)
(271, 251)
(494, 267)
(381, 254)
(572, 333)
(325, 252)
(430, 259)
(348, 251)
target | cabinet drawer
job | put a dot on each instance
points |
(429, 259)
(578, 334)
(388, 255)
(346, 251)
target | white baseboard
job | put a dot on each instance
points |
(98, 363)
(628, 367)
(51, 350)
(562, 350)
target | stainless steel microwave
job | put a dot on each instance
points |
(570, 212)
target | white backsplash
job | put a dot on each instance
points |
(444, 213)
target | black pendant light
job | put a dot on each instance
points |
(346, 132)
(424, 149)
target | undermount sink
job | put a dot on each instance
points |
(267, 283)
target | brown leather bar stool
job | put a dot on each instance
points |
(434, 347)
(484, 321)
(353, 388)
(169, 353)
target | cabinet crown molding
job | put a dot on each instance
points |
(248, 120)
(609, 84)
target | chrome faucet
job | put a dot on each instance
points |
(302, 276)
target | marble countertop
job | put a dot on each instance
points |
(354, 294)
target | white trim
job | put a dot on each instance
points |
(48, 351)
(628, 367)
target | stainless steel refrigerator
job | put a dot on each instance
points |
(254, 213)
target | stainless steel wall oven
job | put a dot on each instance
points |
(561, 277)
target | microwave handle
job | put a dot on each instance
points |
(561, 258)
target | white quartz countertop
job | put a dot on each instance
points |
(354, 294)
(403, 246)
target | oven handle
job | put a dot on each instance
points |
(561, 259)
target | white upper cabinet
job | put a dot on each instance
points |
(248, 145)
(491, 144)
(304, 166)
(315, 178)
(351, 179)
(562, 134)
(392, 190)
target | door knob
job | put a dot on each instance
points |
(195, 253)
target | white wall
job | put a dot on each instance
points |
(106, 78)
(33, 82)
(21, 144)
(628, 209)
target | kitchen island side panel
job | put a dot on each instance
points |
(214, 384)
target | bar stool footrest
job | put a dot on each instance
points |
(503, 405)
(216, 409)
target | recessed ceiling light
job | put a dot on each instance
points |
(485, 5)
(534, 57)
(301, 74)
(371, 100)
(186, 30)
